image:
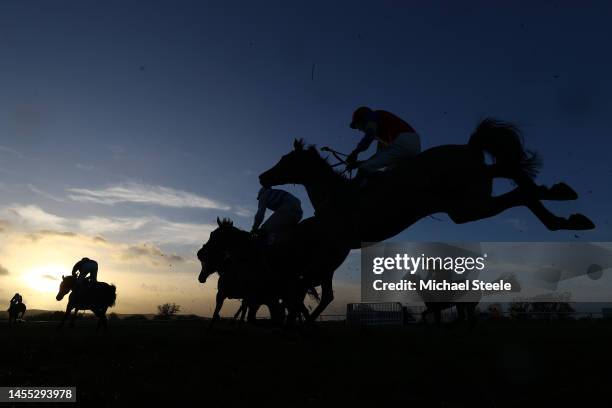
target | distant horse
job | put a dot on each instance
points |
(232, 285)
(309, 259)
(453, 179)
(16, 312)
(94, 296)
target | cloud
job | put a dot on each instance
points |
(243, 211)
(12, 152)
(145, 194)
(38, 224)
(151, 252)
(34, 216)
(50, 277)
(101, 225)
(154, 229)
(166, 232)
(35, 236)
(36, 190)
(4, 271)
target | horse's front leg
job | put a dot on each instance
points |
(74, 316)
(216, 315)
(327, 296)
(68, 310)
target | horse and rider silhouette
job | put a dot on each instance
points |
(16, 309)
(451, 179)
(269, 274)
(86, 293)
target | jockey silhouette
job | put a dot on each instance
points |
(287, 212)
(88, 272)
(397, 140)
(16, 300)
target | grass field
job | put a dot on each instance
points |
(497, 364)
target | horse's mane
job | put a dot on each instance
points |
(225, 222)
(228, 223)
(300, 145)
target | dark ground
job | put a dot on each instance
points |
(497, 364)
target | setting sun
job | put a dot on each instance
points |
(44, 278)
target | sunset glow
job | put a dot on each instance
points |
(44, 278)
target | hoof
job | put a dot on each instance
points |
(579, 222)
(561, 192)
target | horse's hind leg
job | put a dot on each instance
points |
(558, 192)
(240, 312)
(491, 206)
(252, 313)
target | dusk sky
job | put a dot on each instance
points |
(127, 127)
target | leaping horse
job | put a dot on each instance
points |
(452, 179)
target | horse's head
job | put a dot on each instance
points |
(292, 168)
(66, 286)
(215, 252)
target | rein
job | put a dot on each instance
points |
(341, 160)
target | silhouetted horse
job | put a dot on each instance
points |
(233, 285)
(308, 259)
(97, 297)
(16, 312)
(454, 179)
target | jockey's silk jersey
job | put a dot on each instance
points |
(86, 267)
(383, 126)
(273, 199)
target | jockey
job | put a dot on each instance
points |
(397, 140)
(287, 212)
(16, 299)
(86, 267)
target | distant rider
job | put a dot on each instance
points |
(88, 271)
(397, 140)
(287, 212)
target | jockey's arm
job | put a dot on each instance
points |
(259, 217)
(366, 140)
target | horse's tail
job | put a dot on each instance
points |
(112, 295)
(503, 141)
(312, 292)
